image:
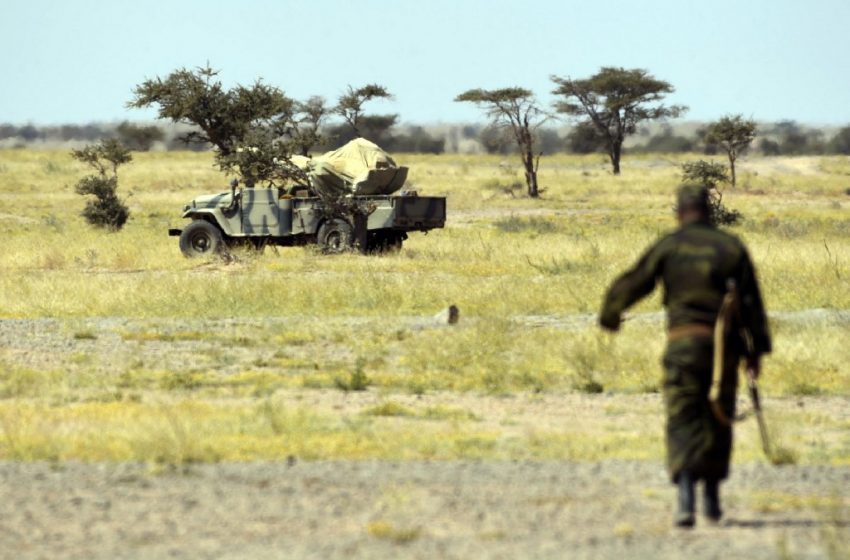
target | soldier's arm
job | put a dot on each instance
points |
(752, 308)
(631, 286)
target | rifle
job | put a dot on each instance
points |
(752, 383)
(730, 312)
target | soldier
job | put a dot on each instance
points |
(698, 266)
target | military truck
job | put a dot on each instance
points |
(345, 199)
(274, 216)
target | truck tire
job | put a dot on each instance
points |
(336, 236)
(200, 238)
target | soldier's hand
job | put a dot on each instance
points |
(610, 322)
(753, 367)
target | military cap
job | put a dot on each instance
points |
(692, 195)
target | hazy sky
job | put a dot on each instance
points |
(77, 61)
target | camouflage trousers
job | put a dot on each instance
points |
(696, 440)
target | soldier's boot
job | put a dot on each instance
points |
(685, 515)
(711, 501)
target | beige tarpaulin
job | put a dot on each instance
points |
(358, 168)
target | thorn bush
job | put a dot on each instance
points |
(712, 175)
(105, 210)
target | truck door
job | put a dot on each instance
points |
(260, 212)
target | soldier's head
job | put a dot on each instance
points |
(692, 202)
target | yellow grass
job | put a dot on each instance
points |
(182, 430)
(522, 256)
(527, 275)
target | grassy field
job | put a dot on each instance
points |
(527, 275)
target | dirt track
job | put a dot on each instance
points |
(410, 510)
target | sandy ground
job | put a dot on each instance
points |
(379, 509)
(383, 509)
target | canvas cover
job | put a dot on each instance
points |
(358, 168)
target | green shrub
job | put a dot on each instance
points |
(106, 210)
(712, 175)
(357, 379)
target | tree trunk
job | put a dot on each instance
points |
(531, 181)
(530, 173)
(614, 154)
(732, 168)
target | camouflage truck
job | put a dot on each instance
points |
(273, 216)
(346, 199)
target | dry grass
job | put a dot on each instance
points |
(526, 274)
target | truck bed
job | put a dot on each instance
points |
(419, 212)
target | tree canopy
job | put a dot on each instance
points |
(350, 105)
(251, 128)
(107, 155)
(614, 101)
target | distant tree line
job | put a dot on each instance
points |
(773, 139)
(134, 136)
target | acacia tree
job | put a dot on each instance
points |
(614, 101)
(734, 135)
(513, 109)
(350, 107)
(250, 128)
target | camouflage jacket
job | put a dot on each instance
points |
(693, 263)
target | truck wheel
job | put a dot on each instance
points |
(336, 236)
(200, 238)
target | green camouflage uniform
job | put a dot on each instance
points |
(694, 264)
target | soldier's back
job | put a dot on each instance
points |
(696, 263)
